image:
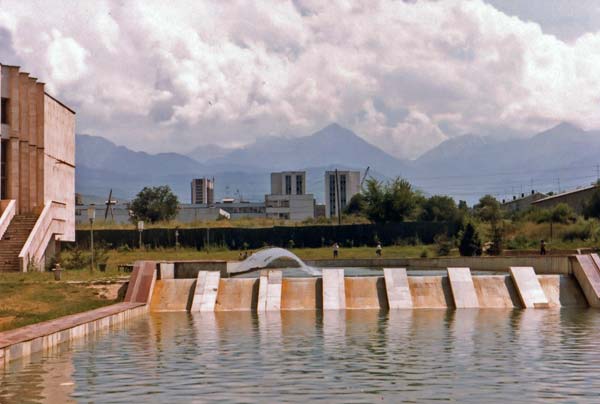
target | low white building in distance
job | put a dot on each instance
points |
(340, 187)
(203, 191)
(288, 198)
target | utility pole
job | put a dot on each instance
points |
(338, 201)
(597, 173)
(91, 217)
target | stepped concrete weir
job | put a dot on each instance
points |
(331, 289)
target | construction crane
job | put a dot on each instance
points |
(362, 182)
(109, 206)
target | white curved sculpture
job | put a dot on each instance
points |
(262, 259)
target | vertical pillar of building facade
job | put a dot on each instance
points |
(32, 97)
(13, 143)
(40, 145)
(24, 143)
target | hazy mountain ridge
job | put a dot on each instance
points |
(465, 167)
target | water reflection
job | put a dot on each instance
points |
(336, 356)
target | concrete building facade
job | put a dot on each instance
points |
(203, 191)
(522, 203)
(37, 165)
(288, 199)
(576, 199)
(340, 187)
(187, 213)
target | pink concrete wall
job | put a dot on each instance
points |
(59, 161)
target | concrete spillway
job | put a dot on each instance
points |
(272, 292)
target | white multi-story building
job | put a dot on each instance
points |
(340, 187)
(203, 191)
(288, 198)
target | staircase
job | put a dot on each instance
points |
(13, 240)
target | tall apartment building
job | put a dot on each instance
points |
(288, 198)
(203, 191)
(37, 171)
(340, 187)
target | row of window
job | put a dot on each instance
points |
(4, 111)
(299, 185)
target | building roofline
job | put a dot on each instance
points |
(61, 103)
(574, 191)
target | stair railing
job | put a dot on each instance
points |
(50, 223)
(8, 210)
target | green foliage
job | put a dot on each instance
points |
(561, 213)
(443, 245)
(497, 235)
(579, 231)
(470, 243)
(76, 258)
(520, 242)
(488, 209)
(394, 201)
(592, 207)
(424, 253)
(439, 208)
(356, 206)
(154, 204)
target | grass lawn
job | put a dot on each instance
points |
(127, 257)
(28, 298)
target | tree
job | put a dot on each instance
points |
(356, 206)
(488, 209)
(592, 207)
(439, 208)
(391, 202)
(470, 243)
(154, 204)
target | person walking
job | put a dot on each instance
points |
(336, 250)
(378, 249)
(543, 247)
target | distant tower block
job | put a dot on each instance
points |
(203, 191)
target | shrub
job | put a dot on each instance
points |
(424, 253)
(520, 242)
(470, 244)
(579, 231)
(444, 245)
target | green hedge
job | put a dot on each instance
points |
(302, 236)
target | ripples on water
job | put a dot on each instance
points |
(357, 356)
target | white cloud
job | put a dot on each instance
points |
(151, 73)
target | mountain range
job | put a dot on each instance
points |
(464, 167)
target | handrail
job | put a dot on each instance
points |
(8, 210)
(50, 222)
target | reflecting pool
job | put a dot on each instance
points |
(465, 356)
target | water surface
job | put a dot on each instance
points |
(465, 356)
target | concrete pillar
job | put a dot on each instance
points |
(167, 270)
(528, 286)
(205, 293)
(463, 289)
(269, 291)
(397, 288)
(334, 289)
(588, 276)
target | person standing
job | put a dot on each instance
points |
(378, 249)
(336, 250)
(543, 247)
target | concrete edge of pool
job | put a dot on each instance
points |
(160, 286)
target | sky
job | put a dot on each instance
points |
(404, 75)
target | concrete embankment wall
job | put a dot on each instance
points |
(542, 264)
(25, 341)
(359, 293)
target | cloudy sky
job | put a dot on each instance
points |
(405, 75)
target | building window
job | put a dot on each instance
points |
(3, 168)
(288, 184)
(299, 185)
(332, 195)
(342, 191)
(4, 111)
